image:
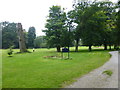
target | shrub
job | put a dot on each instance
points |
(10, 51)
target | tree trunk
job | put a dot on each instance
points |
(90, 47)
(105, 46)
(58, 49)
(76, 47)
(116, 47)
(22, 45)
(109, 47)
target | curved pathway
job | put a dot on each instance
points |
(95, 79)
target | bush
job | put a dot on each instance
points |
(10, 51)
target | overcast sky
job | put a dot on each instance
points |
(30, 12)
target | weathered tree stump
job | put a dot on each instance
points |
(21, 37)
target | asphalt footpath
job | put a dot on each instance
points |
(96, 78)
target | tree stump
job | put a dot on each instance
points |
(21, 37)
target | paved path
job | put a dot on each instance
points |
(96, 79)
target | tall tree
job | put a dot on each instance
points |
(31, 37)
(56, 27)
(9, 35)
(81, 15)
(103, 23)
(76, 16)
(108, 36)
(117, 32)
(93, 21)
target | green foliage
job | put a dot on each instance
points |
(31, 37)
(9, 35)
(117, 32)
(40, 42)
(10, 51)
(56, 29)
(77, 16)
(108, 72)
(92, 23)
(95, 23)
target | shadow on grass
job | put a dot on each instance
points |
(23, 52)
(85, 51)
(10, 56)
(93, 50)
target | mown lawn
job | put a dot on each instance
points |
(33, 70)
(0, 69)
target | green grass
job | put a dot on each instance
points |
(0, 69)
(33, 70)
(108, 72)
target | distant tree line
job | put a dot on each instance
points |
(10, 35)
(87, 24)
(91, 23)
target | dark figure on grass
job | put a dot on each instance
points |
(33, 49)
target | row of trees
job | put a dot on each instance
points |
(92, 23)
(10, 35)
